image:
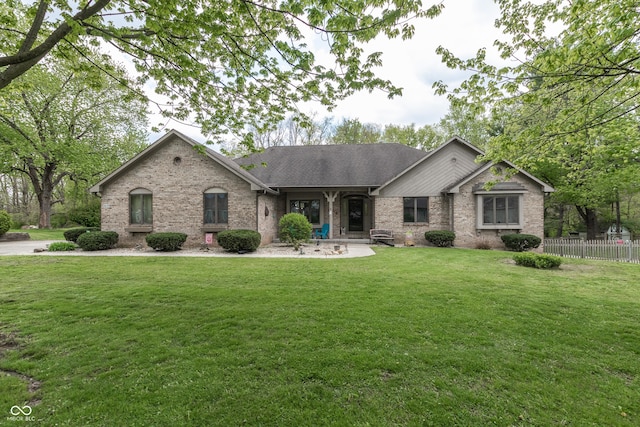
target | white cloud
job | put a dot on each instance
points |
(463, 28)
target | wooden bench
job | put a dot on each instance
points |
(382, 236)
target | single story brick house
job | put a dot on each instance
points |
(177, 184)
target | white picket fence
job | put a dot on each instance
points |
(611, 250)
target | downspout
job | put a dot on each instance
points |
(258, 211)
(451, 213)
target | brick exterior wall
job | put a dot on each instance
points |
(389, 215)
(465, 214)
(178, 189)
(267, 218)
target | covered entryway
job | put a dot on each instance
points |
(356, 212)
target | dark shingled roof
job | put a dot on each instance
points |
(367, 165)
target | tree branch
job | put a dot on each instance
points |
(21, 62)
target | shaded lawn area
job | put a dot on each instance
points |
(411, 336)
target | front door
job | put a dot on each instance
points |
(356, 215)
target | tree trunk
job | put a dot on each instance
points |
(43, 183)
(618, 219)
(44, 200)
(590, 218)
(560, 228)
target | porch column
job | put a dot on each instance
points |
(331, 197)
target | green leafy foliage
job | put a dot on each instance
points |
(167, 242)
(72, 234)
(97, 240)
(520, 242)
(440, 238)
(239, 240)
(64, 126)
(227, 64)
(295, 228)
(5, 222)
(61, 247)
(88, 215)
(560, 112)
(543, 261)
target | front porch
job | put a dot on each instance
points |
(347, 212)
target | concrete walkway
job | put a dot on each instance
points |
(324, 250)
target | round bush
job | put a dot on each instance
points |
(72, 234)
(61, 247)
(239, 240)
(295, 228)
(97, 240)
(440, 238)
(167, 242)
(5, 222)
(520, 242)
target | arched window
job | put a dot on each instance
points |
(216, 206)
(141, 207)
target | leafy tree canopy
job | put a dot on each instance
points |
(563, 55)
(63, 122)
(224, 63)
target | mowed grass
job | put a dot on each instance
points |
(411, 336)
(44, 233)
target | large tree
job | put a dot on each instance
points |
(573, 51)
(568, 98)
(224, 63)
(60, 122)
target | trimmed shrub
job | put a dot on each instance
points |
(72, 234)
(166, 242)
(440, 238)
(87, 216)
(239, 240)
(5, 222)
(61, 247)
(520, 242)
(295, 228)
(529, 259)
(97, 240)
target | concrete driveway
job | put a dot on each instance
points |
(23, 247)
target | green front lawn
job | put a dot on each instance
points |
(43, 234)
(411, 336)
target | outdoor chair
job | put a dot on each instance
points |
(323, 233)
